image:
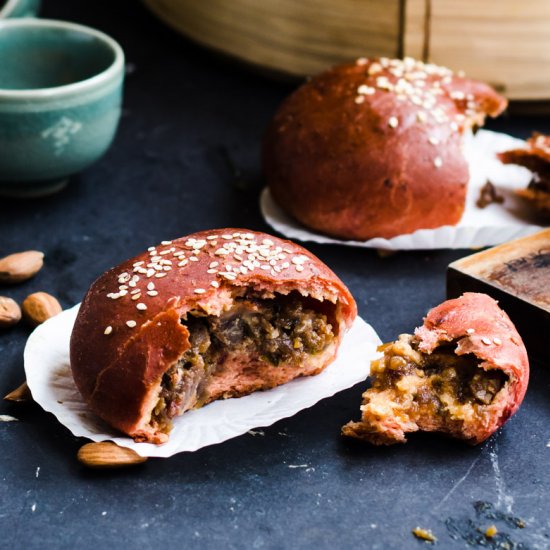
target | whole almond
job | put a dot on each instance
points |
(10, 312)
(22, 394)
(107, 454)
(21, 266)
(39, 307)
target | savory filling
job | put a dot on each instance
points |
(274, 333)
(436, 392)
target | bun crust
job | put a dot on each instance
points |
(481, 328)
(128, 331)
(374, 148)
(464, 373)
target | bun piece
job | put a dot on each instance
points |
(374, 148)
(463, 373)
(535, 157)
(217, 314)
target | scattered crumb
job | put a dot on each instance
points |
(33, 507)
(424, 534)
(298, 465)
(8, 418)
(37, 471)
(487, 195)
(286, 435)
(103, 513)
(491, 531)
(256, 432)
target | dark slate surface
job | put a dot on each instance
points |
(186, 158)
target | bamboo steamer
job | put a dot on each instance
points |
(505, 43)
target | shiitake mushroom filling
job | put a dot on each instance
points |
(438, 391)
(284, 330)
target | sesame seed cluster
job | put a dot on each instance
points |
(422, 85)
(239, 254)
(487, 341)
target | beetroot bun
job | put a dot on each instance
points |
(374, 148)
(217, 314)
(463, 373)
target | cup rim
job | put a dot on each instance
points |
(8, 8)
(104, 76)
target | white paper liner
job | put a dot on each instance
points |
(494, 224)
(49, 377)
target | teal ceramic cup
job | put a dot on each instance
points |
(60, 102)
(19, 8)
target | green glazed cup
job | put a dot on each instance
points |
(60, 102)
(19, 8)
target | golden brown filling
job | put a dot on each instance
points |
(412, 390)
(281, 331)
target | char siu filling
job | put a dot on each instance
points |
(281, 331)
(439, 391)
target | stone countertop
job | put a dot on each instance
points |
(186, 157)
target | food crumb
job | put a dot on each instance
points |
(424, 534)
(256, 432)
(7, 418)
(487, 195)
(491, 531)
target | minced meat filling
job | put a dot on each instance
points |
(275, 331)
(442, 387)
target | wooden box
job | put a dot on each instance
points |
(505, 43)
(517, 274)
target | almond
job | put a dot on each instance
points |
(107, 454)
(21, 266)
(22, 394)
(39, 307)
(10, 312)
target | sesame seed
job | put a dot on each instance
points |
(166, 242)
(361, 61)
(193, 259)
(433, 140)
(486, 341)
(227, 237)
(366, 90)
(150, 286)
(136, 296)
(215, 284)
(299, 268)
(393, 122)
(438, 163)
(213, 264)
(199, 291)
(359, 99)
(230, 276)
(108, 330)
(123, 293)
(470, 330)
(152, 293)
(182, 263)
(131, 324)
(160, 275)
(421, 116)
(135, 291)
(211, 271)
(151, 248)
(137, 264)
(164, 252)
(141, 306)
(497, 341)
(150, 272)
(211, 237)
(132, 284)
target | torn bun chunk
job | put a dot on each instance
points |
(464, 373)
(534, 157)
(214, 315)
(374, 148)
